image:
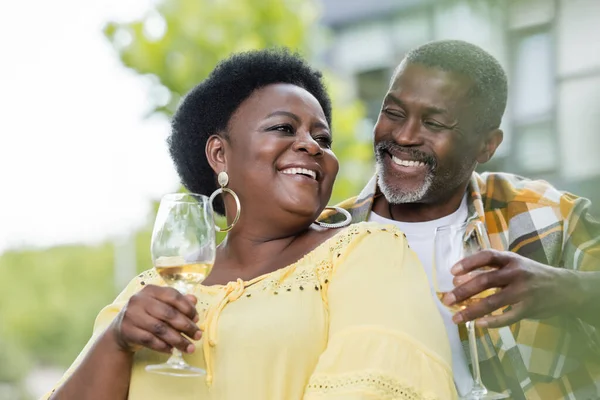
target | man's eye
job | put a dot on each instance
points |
(393, 113)
(435, 125)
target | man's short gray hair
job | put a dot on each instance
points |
(490, 87)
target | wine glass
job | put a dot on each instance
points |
(183, 252)
(452, 243)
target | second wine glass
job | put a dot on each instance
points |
(453, 243)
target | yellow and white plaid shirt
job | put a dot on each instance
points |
(554, 358)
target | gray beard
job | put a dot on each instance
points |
(395, 195)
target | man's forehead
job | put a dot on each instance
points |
(429, 82)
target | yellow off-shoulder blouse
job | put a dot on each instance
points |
(353, 319)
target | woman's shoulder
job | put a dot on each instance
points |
(364, 229)
(381, 229)
(331, 240)
(381, 239)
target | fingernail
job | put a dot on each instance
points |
(190, 349)
(481, 323)
(198, 335)
(196, 318)
(458, 318)
(449, 299)
(456, 269)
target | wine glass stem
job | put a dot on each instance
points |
(176, 358)
(478, 386)
(176, 355)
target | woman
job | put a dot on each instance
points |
(292, 309)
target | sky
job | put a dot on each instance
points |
(79, 160)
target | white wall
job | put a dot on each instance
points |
(474, 22)
(363, 47)
(578, 30)
(524, 14)
(411, 30)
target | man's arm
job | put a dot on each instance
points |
(589, 310)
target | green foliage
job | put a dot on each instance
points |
(49, 300)
(49, 317)
(353, 150)
(181, 41)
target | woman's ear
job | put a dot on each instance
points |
(216, 148)
(489, 146)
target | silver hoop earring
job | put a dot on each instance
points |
(340, 224)
(223, 180)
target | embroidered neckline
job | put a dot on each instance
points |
(339, 236)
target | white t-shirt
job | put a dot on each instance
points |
(420, 236)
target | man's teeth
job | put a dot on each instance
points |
(406, 163)
(302, 171)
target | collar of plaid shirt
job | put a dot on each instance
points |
(554, 358)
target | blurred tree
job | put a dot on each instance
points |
(179, 42)
(48, 319)
(49, 301)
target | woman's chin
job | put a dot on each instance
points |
(305, 211)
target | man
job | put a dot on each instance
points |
(439, 120)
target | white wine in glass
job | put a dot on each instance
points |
(468, 302)
(453, 243)
(176, 272)
(183, 251)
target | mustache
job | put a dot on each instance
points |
(394, 148)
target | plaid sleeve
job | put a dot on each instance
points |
(581, 250)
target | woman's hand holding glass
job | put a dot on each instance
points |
(156, 317)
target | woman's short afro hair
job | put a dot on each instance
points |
(207, 108)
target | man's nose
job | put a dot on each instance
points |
(409, 133)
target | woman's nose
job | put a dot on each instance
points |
(305, 142)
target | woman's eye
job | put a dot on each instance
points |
(324, 140)
(283, 128)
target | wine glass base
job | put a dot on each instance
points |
(489, 395)
(172, 369)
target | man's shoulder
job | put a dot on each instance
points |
(348, 204)
(358, 207)
(498, 189)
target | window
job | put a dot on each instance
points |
(532, 89)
